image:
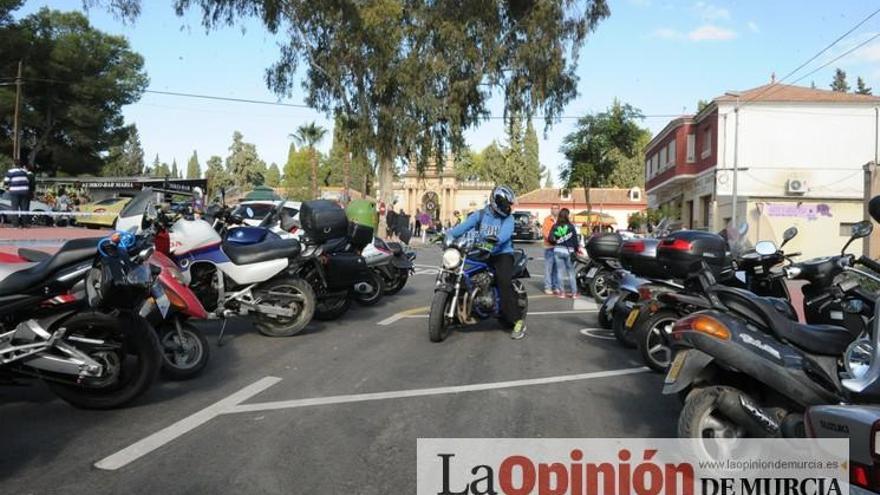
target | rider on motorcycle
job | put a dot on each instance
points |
(495, 221)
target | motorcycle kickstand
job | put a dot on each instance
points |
(222, 331)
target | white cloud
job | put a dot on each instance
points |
(709, 12)
(867, 53)
(709, 32)
(753, 26)
(667, 34)
(641, 3)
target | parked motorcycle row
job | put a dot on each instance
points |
(720, 321)
(101, 318)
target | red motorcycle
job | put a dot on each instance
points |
(185, 349)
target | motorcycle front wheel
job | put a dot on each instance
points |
(126, 347)
(401, 276)
(599, 288)
(652, 336)
(184, 354)
(332, 308)
(438, 322)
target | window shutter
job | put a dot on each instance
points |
(691, 148)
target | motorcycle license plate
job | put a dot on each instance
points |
(633, 316)
(592, 272)
(675, 368)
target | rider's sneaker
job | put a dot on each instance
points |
(556, 292)
(549, 292)
(519, 330)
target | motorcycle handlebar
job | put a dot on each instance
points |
(869, 263)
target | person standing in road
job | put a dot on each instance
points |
(18, 184)
(565, 242)
(551, 278)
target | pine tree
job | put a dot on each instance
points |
(532, 177)
(127, 159)
(812, 84)
(273, 175)
(243, 164)
(861, 87)
(548, 180)
(839, 83)
(297, 174)
(193, 169)
(216, 176)
(175, 174)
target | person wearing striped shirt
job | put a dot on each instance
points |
(18, 186)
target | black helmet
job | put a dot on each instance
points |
(501, 201)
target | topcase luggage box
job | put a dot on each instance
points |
(323, 220)
(604, 245)
(639, 256)
(683, 253)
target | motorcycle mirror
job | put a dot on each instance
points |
(765, 248)
(862, 229)
(788, 235)
(743, 229)
(249, 212)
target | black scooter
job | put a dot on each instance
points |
(749, 370)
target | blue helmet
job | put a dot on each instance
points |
(501, 201)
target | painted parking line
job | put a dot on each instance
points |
(232, 405)
(400, 316)
(597, 333)
(403, 314)
(145, 446)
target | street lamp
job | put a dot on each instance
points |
(733, 199)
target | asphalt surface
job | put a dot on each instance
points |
(352, 444)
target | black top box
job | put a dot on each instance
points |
(323, 220)
(683, 253)
(639, 256)
(604, 246)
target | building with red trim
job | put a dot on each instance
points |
(619, 203)
(799, 154)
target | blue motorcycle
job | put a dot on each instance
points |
(465, 291)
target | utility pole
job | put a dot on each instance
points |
(16, 136)
(734, 199)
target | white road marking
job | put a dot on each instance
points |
(581, 303)
(597, 333)
(400, 316)
(185, 425)
(401, 394)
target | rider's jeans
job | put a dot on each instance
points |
(565, 269)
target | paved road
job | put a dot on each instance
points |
(279, 440)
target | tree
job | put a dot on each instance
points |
(629, 171)
(126, 159)
(273, 175)
(812, 84)
(594, 150)
(372, 61)
(175, 174)
(159, 169)
(216, 176)
(861, 87)
(533, 169)
(470, 165)
(839, 83)
(701, 104)
(297, 174)
(243, 165)
(193, 169)
(309, 135)
(548, 180)
(77, 79)
(345, 157)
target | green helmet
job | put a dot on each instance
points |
(363, 212)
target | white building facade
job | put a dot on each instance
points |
(799, 155)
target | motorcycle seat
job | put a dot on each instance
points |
(395, 247)
(828, 340)
(272, 249)
(73, 251)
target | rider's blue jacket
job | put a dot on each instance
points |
(491, 224)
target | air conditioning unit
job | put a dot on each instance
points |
(796, 186)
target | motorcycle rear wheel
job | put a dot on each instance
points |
(332, 308)
(438, 322)
(132, 359)
(375, 296)
(280, 326)
(599, 288)
(400, 279)
(625, 336)
(701, 416)
(652, 336)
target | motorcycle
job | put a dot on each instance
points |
(89, 346)
(465, 291)
(185, 349)
(749, 370)
(229, 278)
(391, 262)
(860, 424)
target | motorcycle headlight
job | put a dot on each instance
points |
(451, 258)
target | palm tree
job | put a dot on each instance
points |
(309, 135)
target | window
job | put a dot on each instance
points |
(691, 147)
(565, 194)
(670, 153)
(663, 160)
(635, 194)
(648, 171)
(707, 143)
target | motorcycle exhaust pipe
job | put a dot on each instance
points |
(743, 411)
(63, 365)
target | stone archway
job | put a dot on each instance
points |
(431, 204)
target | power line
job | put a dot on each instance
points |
(835, 59)
(774, 87)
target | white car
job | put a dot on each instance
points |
(6, 205)
(253, 212)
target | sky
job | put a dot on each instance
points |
(660, 56)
